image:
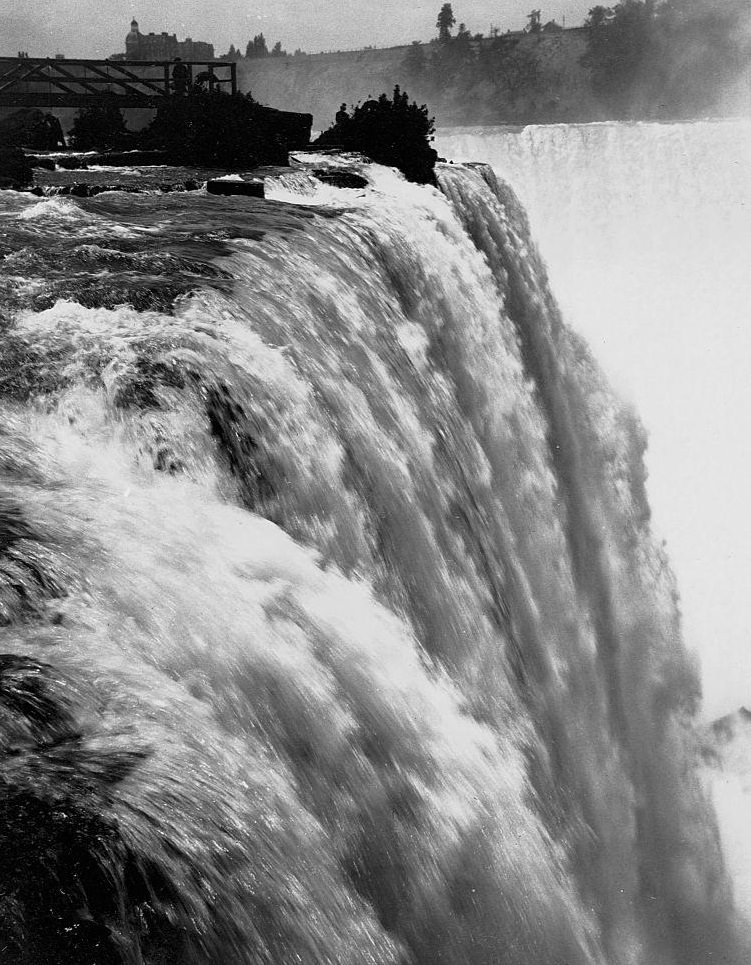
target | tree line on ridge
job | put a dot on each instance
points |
(643, 58)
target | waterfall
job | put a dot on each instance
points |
(334, 629)
(645, 229)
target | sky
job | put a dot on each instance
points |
(97, 28)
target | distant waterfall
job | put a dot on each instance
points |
(333, 627)
(646, 229)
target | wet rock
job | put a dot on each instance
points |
(42, 162)
(292, 128)
(32, 128)
(71, 889)
(247, 189)
(15, 168)
(340, 178)
(129, 158)
(83, 189)
(73, 162)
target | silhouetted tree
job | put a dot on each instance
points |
(98, 128)
(32, 128)
(513, 67)
(598, 17)
(276, 50)
(620, 43)
(390, 131)
(445, 22)
(216, 129)
(462, 44)
(257, 47)
(535, 21)
(453, 55)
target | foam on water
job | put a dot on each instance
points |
(346, 634)
(61, 214)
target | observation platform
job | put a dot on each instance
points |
(52, 82)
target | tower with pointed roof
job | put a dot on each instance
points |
(132, 41)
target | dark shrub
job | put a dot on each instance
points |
(99, 128)
(389, 131)
(31, 128)
(216, 130)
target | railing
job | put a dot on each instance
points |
(47, 82)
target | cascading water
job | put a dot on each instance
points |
(334, 628)
(646, 230)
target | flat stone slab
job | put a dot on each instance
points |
(232, 186)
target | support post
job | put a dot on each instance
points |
(233, 74)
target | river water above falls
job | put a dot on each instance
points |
(334, 630)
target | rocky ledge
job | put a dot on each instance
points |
(84, 190)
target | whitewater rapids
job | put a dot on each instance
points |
(333, 627)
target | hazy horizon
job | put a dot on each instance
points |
(84, 28)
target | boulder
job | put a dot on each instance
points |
(340, 178)
(15, 168)
(291, 128)
(233, 186)
(72, 162)
(42, 162)
(32, 128)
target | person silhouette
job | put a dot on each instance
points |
(342, 116)
(180, 77)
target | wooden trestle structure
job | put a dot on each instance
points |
(47, 82)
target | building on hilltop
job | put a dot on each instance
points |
(162, 46)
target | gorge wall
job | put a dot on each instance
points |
(530, 78)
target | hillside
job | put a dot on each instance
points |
(498, 88)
